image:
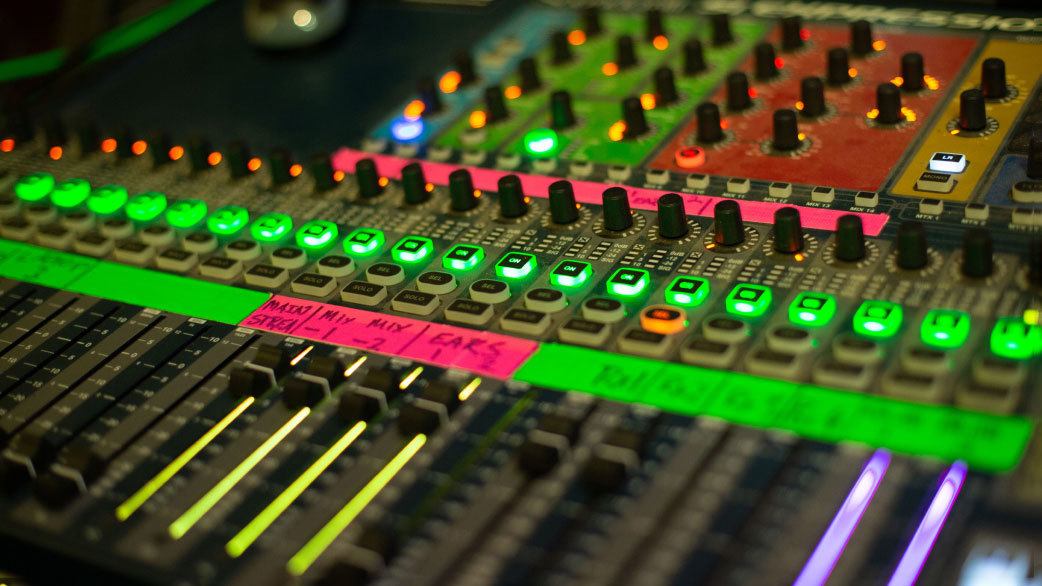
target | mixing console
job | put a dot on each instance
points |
(692, 295)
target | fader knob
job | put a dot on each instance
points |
(707, 118)
(993, 79)
(278, 166)
(694, 57)
(837, 66)
(368, 178)
(563, 208)
(625, 52)
(738, 92)
(88, 137)
(672, 219)
(198, 154)
(321, 170)
(766, 61)
(1034, 167)
(495, 104)
(972, 115)
(888, 104)
(461, 191)
(791, 33)
(721, 29)
(912, 72)
(812, 94)
(1035, 262)
(237, 159)
(464, 63)
(529, 73)
(592, 21)
(861, 37)
(786, 133)
(561, 114)
(561, 49)
(615, 208)
(633, 117)
(912, 251)
(665, 86)
(429, 95)
(653, 26)
(788, 232)
(977, 255)
(414, 184)
(511, 197)
(159, 145)
(729, 230)
(850, 239)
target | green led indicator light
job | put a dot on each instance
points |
(34, 187)
(811, 308)
(516, 265)
(145, 207)
(628, 282)
(70, 193)
(107, 199)
(571, 274)
(186, 213)
(317, 234)
(228, 220)
(463, 257)
(541, 142)
(687, 291)
(748, 300)
(945, 328)
(271, 227)
(412, 249)
(878, 319)
(1014, 339)
(364, 241)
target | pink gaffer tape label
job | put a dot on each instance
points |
(448, 346)
(590, 192)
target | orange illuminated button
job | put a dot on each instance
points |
(663, 319)
(690, 157)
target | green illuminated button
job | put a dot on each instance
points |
(145, 207)
(412, 249)
(317, 234)
(748, 300)
(1014, 339)
(541, 142)
(463, 257)
(34, 187)
(687, 291)
(271, 227)
(811, 308)
(364, 241)
(945, 328)
(628, 282)
(228, 220)
(70, 193)
(516, 265)
(571, 273)
(186, 213)
(878, 319)
(107, 199)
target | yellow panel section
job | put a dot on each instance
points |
(1023, 67)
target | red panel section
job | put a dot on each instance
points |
(845, 151)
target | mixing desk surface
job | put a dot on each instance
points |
(721, 293)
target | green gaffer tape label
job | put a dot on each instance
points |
(989, 443)
(108, 280)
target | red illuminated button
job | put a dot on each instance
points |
(690, 157)
(663, 319)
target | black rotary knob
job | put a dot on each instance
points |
(788, 231)
(88, 136)
(993, 78)
(495, 104)
(812, 94)
(912, 72)
(786, 136)
(159, 145)
(912, 250)
(368, 179)
(1035, 262)
(653, 26)
(633, 117)
(850, 239)
(837, 66)
(791, 33)
(279, 163)
(672, 219)
(563, 208)
(765, 61)
(124, 143)
(55, 133)
(560, 48)
(464, 64)
(511, 197)
(707, 119)
(197, 151)
(1034, 169)
(861, 38)
(625, 52)
(529, 73)
(729, 230)
(414, 184)
(720, 25)
(888, 104)
(694, 57)
(977, 254)
(592, 21)
(972, 115)
(237, 159)
(738, 98)
(665, 86)
(429, 95)
(561, 113)
(320, 167)
(615, 204)
(461, 191)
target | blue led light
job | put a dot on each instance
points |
(405, 129)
